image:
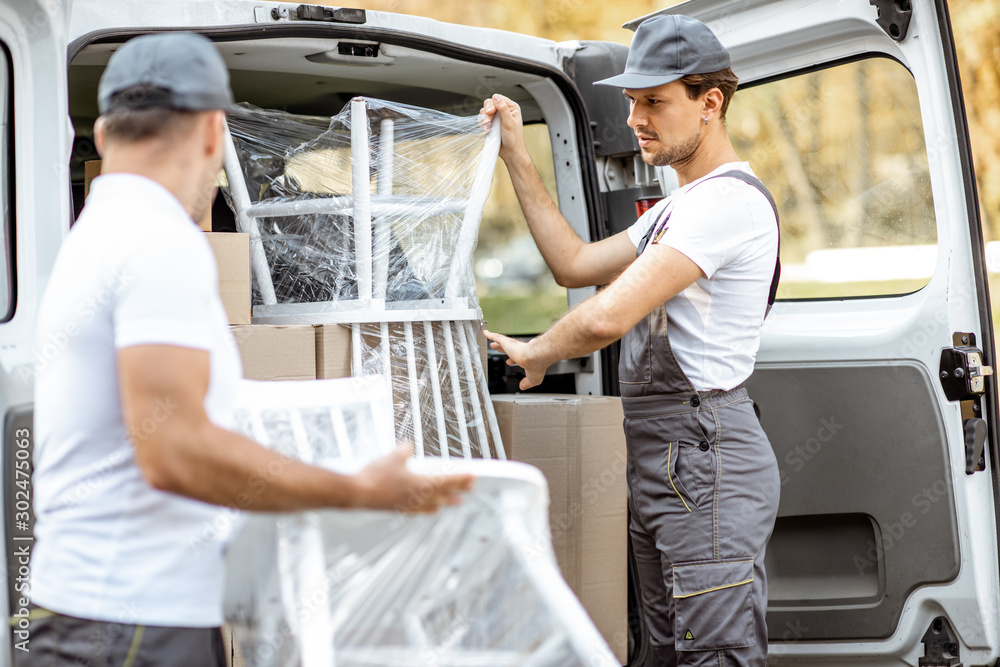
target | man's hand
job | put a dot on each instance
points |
(386, 484)
(518, 354)
(511, 125)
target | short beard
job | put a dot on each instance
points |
(678, 154)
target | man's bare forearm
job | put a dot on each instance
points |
(585, 329)
(553, 235)
(221, 467)
(573, 262)
(655, 278)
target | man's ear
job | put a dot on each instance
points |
(99, 135)
(215, 132)
(713, 103)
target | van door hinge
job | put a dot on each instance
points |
(963, 378)
(893, 17)
(940, 645)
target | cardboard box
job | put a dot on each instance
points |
(91, 170)
(232, 257)
(206, 221)
(333, 351)
(579, 445)
(276, 352)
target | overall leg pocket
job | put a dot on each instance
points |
(713, 605)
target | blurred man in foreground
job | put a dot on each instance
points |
(133, 450)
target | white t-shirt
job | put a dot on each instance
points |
(726, 227)
(134, 270)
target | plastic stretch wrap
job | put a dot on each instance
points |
(439, 386)
(339, 424)
(378, 204)
(472, 586)
(371, 217)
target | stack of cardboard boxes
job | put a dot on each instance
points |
(576, 441)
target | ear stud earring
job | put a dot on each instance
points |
(706, 121)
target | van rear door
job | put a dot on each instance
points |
(870, 377)
(35, 137)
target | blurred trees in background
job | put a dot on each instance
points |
(977, 39)
(976, 25)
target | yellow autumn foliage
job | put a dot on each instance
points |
(976, 24)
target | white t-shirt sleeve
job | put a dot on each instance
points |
(712, 225)
(165, 295)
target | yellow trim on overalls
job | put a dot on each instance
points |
(133, 649)
(710, 590)
(33, 615)
(670, 454)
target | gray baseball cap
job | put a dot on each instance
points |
(174, 70)
(666, 48)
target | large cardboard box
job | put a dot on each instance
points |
(579, 445)
(277, 352)
(333, 351)
(232, 257)
(91, 170)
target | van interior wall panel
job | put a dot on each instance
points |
(619, 205)
(606, 105)
(866, 512)
(285, 73)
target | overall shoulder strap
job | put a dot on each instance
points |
(755, 182)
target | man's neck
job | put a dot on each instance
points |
(714, 151)
(154, 165)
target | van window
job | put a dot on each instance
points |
(6, 183)
(842, 150)
(516, 290)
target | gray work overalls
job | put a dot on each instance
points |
(704, 495)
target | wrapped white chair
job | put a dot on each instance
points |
(393, 262)
(473, 586)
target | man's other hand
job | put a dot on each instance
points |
(511, 125)
(517, 352)
(387, 484)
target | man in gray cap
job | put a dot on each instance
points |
(688, 287)
(133, 452)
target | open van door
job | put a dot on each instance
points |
(35, 136)
(872, 378)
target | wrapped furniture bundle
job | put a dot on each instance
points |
(472, 586)
(369, 219)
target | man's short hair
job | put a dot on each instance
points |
(130, 125)
(699, 84)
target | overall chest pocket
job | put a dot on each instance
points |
(635, 362)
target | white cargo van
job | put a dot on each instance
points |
(870, 378)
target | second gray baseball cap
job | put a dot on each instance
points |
(174, 70)
(667, 48)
